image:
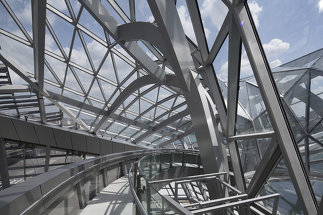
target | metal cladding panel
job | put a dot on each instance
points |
(106, 147)
(53, 203)
(52, 180)
(63, 139)
(19, 197)
(93, 144)
(129, 147)
(26, 131)
(78, 142)
(118, 147)
(7, 129)
(45, 135)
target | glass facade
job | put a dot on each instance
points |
(126, 72)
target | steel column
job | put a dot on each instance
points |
(39, 20)
(182, 63)
(4, 165)
(275, 109)
(233, 94)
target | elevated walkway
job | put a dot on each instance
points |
(116, 198)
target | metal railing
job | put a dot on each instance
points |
(146, 197)
(73, 184)
(150, 201)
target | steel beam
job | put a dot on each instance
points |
(178, 137)
(162, 125)
(132, 10)
(95, 110)
(182, 63)
(39, 20)
(15, 37)
(131, 88)
(275, 109)
(8, 61)
(63, 108)
(267, 134)
(220, 38)
(16, 20)
(14, 89)
(99, 111)
(208, 72)
(238, 203)
(265, 168)
(233, 89)
(141, 31)
(320, 210)
(103, 17)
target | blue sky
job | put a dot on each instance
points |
(296, 22)
(288, 29)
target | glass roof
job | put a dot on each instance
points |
(87, 71)
(74, 67)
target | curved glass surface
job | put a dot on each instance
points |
(85, 70)
(123, 71)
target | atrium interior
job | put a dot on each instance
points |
(160, 107)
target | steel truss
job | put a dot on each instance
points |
(162, 61)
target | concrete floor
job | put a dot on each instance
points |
(116, 198)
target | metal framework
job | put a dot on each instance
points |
(147, 83)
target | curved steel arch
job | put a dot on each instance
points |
(161, 125)
(131, 88)
(178, 53)
(104, 18)
(172, 42)
(141, 31)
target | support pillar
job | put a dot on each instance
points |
(4, 165)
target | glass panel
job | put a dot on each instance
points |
(286, 80)
(280, 182)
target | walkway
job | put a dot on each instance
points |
(116, 198)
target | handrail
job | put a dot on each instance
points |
(137, 201)
(240, 199)
(171, 203)
(35, 204)
(39, 189)
(188, 179)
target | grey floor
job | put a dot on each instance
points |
(116, 198)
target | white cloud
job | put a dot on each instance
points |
(23, 58)
(275, 48)
(214, 10)
(24, 14)
(275, 63)
(255, 10)
(58, 67)
(245, 69)
(186, 22)
(151, 19)
(223, 73)
(320, 6)
(97, 52)
(58, 4)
